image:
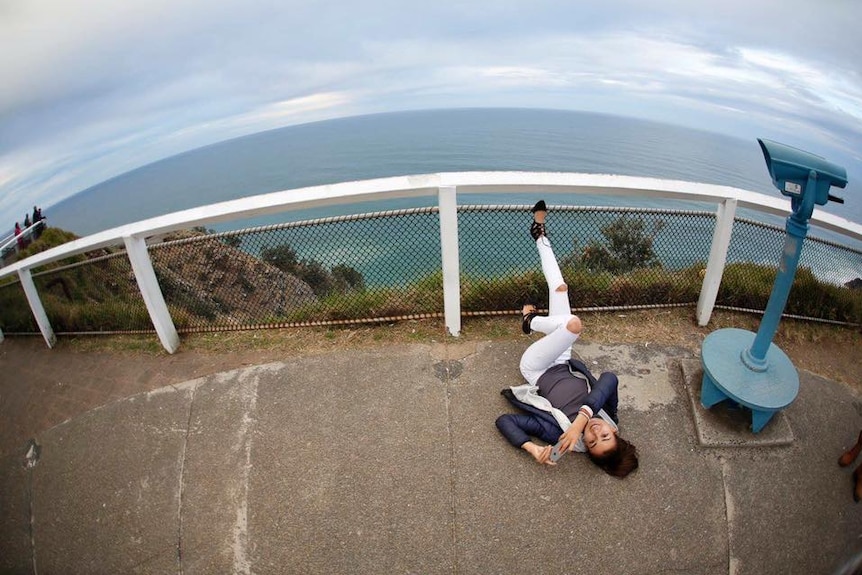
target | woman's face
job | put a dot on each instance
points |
(600, 437)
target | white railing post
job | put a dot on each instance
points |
(36, 306)
(717, 258)
(136, 248)
(448, 203)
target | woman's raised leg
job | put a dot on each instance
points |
(559, 307)
(562, 328)
(558, 291)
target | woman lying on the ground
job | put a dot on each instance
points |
(562, 399)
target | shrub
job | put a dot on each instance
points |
(627, 245)
(645, 286)
(97, 316)
(50, 237)
(503, 293)
(587, 288)
(811, 297)
(749, 285)
(283, 257)
(15, 314)
(379, 302)
(746, 285)
(322, 281)
(347, 278)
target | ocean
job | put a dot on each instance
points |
(414, 143)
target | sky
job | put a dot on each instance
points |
(94, 88)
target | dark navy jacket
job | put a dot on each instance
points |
(518, 428)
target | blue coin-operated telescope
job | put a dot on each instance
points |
(748, 368)
(802, 176)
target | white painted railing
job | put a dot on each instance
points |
(11, 241)
(446, 186)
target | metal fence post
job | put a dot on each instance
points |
(717, 258)
(136, 248)
(448, 203)
(36, 306)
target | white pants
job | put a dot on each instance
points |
(556, 347)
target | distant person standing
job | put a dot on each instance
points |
(18, 235)
(37, 217)
(26, 221)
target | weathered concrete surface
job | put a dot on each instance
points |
(15, 547)
(215, 474)
(352, 466)
(106, 489)
(792, 506)
(388, 461)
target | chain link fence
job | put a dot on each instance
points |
(96, 295)
(826, 286)
(372, 267)
(610, 257)
(87, 294)
(385, 266)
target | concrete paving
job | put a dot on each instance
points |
(388, 461)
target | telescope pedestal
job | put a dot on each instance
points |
(726, 376)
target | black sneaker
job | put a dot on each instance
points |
(539, 207)
(537, 230)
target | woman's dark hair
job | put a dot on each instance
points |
(619, 462)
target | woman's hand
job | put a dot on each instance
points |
(542, 454)
(570, 437)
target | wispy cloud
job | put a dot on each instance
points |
(287, 110)
(97, 87)
(277, 114)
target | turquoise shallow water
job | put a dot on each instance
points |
(413, 143)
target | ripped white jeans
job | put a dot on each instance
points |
(556, 347)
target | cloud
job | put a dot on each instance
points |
(524, 76)
(268, 116)
(287, 109)
(60, 49)
(829, 87)
(97, 87)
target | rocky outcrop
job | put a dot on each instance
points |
(211, 279)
